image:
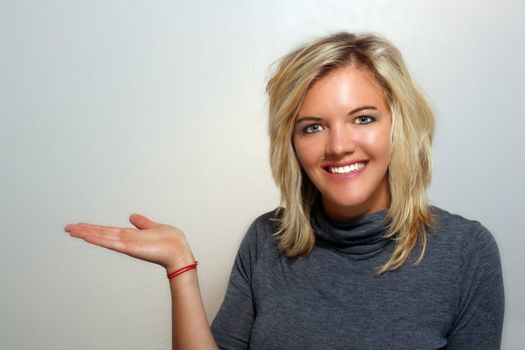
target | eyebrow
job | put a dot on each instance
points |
(359, 109)
(317, 119)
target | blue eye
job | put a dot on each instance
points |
(312, 128)
(364, 119)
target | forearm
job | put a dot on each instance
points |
(190, 326)
(166, 246)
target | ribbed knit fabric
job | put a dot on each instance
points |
(360, 238)
(334, 299)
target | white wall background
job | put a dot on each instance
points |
(112, 107)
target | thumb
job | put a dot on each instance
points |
(141, 222)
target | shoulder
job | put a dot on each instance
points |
(477, 277)
(268, 221)
(470, 236)
(265, 225)
(261, 232)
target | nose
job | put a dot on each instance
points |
(340, 141)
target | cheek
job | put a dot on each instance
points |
(378, 144)
(304, 152)
(296, 148)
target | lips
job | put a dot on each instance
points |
(344, 169)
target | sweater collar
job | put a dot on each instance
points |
(361, 237)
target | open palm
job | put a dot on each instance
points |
(150, 241)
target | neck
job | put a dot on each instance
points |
(342, 214)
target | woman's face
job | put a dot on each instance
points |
(342, 139)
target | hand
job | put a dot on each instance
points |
(150, 241)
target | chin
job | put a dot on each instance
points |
(349, 201)
(352, 205)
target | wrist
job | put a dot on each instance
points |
(180, 262)
(182, 270)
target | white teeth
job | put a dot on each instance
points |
(346, 169)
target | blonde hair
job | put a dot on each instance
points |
(408, 217)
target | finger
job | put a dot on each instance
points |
(89, 226)
(84, 230)
(141, 222)
(106, 242)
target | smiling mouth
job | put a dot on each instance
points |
(347, 169)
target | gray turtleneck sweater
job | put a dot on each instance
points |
(334, 299)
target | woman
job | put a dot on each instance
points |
(356, 257)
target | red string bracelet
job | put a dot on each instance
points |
(182, 270)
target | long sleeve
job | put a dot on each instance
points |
(481, 296)
(233, 323)
(331, 299)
